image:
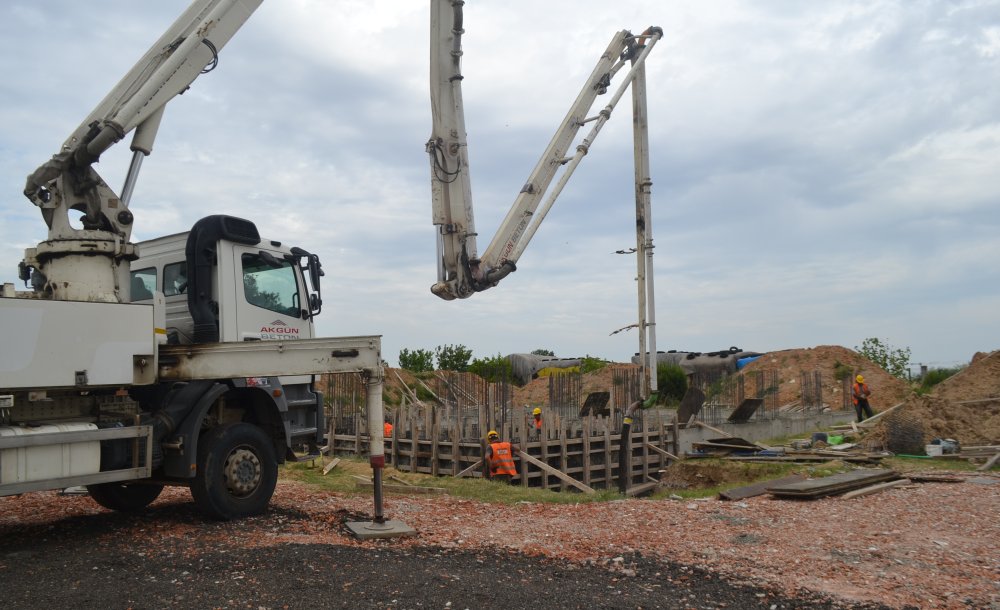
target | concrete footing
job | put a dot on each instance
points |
(368, 530)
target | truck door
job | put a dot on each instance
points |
(270, 306)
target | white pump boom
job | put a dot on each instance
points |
(461, 271)
(90, 264)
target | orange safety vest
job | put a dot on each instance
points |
(538, 424)
(501, 459)
(860, 391)
(387, 430)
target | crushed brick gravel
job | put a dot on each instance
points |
(930, 545)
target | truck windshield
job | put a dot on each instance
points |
(270, 283)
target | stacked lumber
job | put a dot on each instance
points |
(832, 485)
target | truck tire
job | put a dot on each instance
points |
(237, 472)
(124, 498)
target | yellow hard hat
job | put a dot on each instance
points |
(860, 379)
(492, 433)
(537, 411)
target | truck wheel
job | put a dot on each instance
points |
(237, 472)
(124, 498)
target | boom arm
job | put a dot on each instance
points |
(461, 272)
(68, 181)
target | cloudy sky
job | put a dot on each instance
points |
(823, 171)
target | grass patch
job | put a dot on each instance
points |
(340, 479)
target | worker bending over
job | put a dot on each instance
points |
(500, 458)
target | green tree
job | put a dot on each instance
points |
(895, 361)
(493, 369)
(453, 357)
(671, 382)
(416, 361)
(543, 352)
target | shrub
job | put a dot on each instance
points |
(493, 369)
(589, 364)
(934, 377)
(416, 361)
(543, 352)
(671, 381)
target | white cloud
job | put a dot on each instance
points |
(823, 172)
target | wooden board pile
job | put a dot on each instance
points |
(833, 485)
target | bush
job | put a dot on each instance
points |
(589, 364)
(493, 369)
(416, 361)
(543, 352)
(842, 371)
(671, 382)
(934, 377)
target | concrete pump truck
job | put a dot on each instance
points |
(191, 359)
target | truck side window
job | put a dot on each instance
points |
(271, 287)
(143, 284)
(174, 279)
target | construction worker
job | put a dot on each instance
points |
(859, 394)
(387, 430)
(537, 421)
(500, 458)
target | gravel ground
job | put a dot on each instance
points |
(933, 545)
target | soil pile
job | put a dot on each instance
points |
(832, 361)
(964, 407)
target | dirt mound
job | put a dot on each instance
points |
(961, 407)
(981, 379)
(831, 361)
(536, 393)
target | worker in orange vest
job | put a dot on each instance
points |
(500, 458)
(387, 430)
(537, 421)
(859, 394)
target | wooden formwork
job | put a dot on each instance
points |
(448, 441)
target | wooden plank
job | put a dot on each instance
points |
(758, 489)
(469, 469)
(834, 484)
(868, 423)
(745, 410)
(641, 488)
(586, 451)
(865, 491)
(399, 480)
(663, 452)
(557, 473)
(990, 462)
(713, 429)
(331, 465)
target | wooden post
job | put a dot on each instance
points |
(395, 438)
(645, 453)
(456, 443)
(435, 441)
(675, 430)
(586, 450)
(563, 460)
(544, 447)
(413, 443)
(608, 478)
